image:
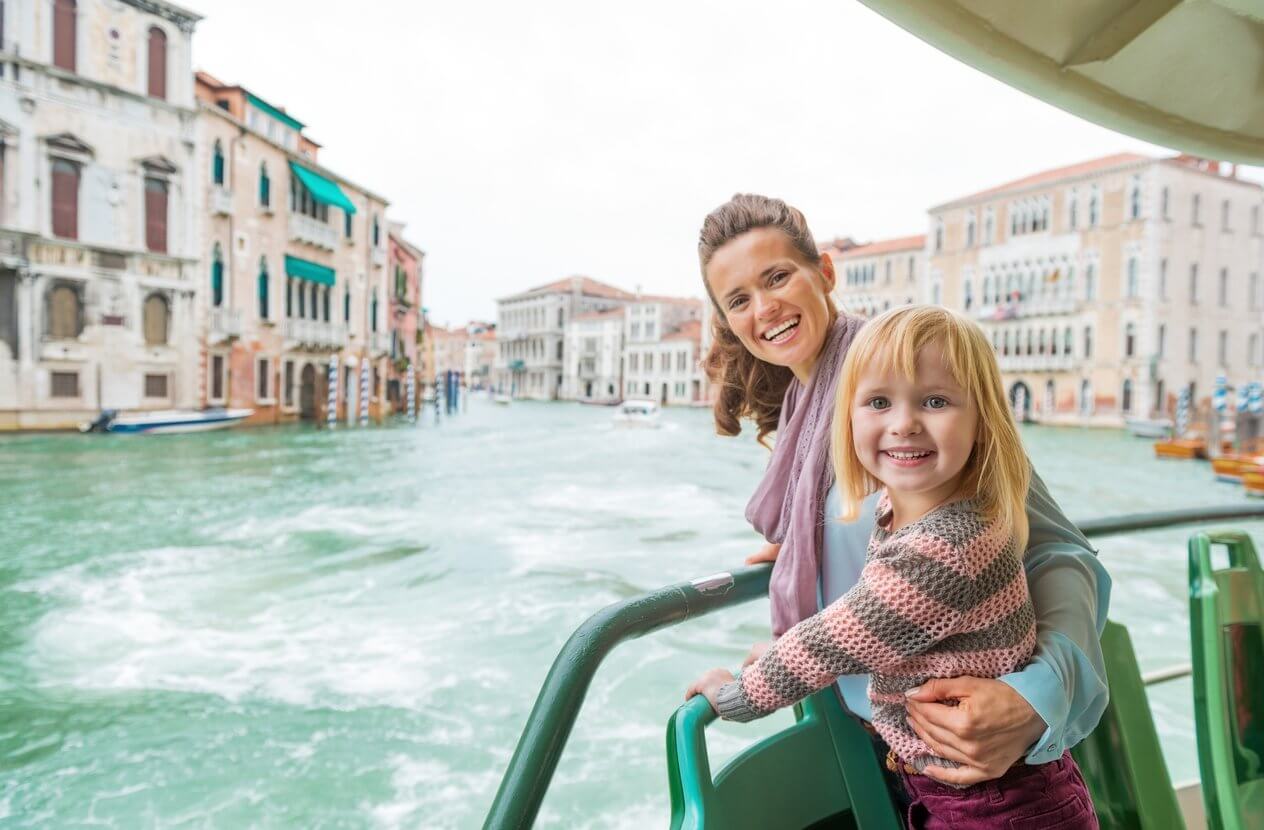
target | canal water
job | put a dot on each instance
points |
(301, 628)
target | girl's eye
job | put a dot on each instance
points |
(936, 402)
(879, 403)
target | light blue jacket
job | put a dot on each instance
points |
(1065, 682)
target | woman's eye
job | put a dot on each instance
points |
(778, 277)
(736, 302)
(936, 402)
(879, 403)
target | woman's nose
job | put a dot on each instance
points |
(765, 306)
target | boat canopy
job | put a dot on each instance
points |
(1188, 75)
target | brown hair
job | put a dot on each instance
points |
(749, 387)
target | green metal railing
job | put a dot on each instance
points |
(556, 708)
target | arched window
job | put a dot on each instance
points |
(1126, 396)
(265, 186)
(1005, 342)
(217, 163)
(156, 316)
(377, 232)
(65, 14)
(1130, 339)
(324, 300)
(346, 305)
(65, 312)
(217, 276)
(1088, 341)
(1093, 208)
(969, 294)
(1090, 281)
(157, 63)
(1086, 398)
(1029, 341)
(155, 214)
(1073, 212)
(1051, 401)
(373, 307)
(1068, 341)
(1131, 288)
(1134, 201)
(263, 288)
(1040, 346)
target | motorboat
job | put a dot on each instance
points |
(637, 413)
(166, 421)
(502, 399)
(1149, 427)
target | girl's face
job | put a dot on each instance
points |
(915, 436)
(776, 304)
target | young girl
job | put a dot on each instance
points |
(921, 415)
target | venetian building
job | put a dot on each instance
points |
(99, 210)
(874, 276)
(405, 312)
(480, 354)
(594, 357)
(662, 350)
(531, 333)
(1108, 286)
(294, 271)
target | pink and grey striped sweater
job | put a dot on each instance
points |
(944, 596)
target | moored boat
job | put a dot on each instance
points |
(1181, 448)
(1149, 427)
(166, 421)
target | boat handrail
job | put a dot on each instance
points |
(1163, 675)
(549, 725)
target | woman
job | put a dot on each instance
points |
(778, 345)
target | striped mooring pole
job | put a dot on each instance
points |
(1220, 395)
(364, 392)
(1182, 412)
(1244, 396)
(1255, 397)
(412, 394)
(331, 411)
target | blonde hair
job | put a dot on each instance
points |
(997, 473)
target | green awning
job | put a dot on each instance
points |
(323, 190)
(310, 271)
(280, 115)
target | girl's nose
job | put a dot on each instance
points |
(905, 421)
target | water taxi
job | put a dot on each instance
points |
(166, 421)
(637, 413)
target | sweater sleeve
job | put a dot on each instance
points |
(906, 600)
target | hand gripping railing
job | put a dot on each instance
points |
(557, 706)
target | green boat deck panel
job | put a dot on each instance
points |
(1227, 640)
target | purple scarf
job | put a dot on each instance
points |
(789, 504)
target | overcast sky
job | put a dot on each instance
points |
(525, 142)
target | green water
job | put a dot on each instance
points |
(293, 628)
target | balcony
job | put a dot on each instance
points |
(379, 257)
(1036, 362)
(1037, 307)
(221, 201)
(313, 334)
(225, 324)
(588, 368)
(312, 231)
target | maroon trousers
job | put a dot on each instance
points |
(1049, 796)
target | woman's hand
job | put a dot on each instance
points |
(708, 685)
(987, 731)
(768, 553)
(756, 652)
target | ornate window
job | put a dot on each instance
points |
(65, 312)
(157, 63)
(156, 316)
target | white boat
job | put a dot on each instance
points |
(503, 400)
(637, 413)
(166, 421)
(1149, 427)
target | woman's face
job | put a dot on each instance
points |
(776, 303)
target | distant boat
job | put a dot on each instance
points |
(1149, 427)
(166, 421)
(637, 413)
(594, 402)
(503, 400)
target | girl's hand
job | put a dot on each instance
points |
(756, 652)
(987, 731)
(768, 553)
(708, 685)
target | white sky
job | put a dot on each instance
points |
(526, 142)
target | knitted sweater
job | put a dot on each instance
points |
(944, 596)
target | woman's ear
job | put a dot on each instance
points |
(827, 273)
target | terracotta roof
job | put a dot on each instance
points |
(660, 298)
(1057, 173)
(688, 330)
(600, 315)
(885, 246)
(587, 285)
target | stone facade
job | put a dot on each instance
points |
(288, 283)
(99, 211)
(663, 344)
(531, 333)
(405, 310)
(594, 357)
(878, 275)
(1108, 286)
